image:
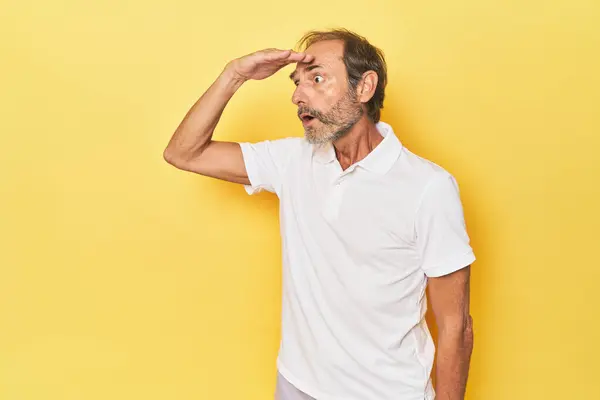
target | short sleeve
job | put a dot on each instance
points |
(441, 234)
(266, 163)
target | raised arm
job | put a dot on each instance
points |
(192, 148)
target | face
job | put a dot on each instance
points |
(326, 104)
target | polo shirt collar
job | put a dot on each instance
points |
(379, 160)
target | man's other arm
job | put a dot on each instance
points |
(449, 296)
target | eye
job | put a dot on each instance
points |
(318, 79)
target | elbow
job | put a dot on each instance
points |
(181, 157)
(168, 156)
(177, 158)
(173, 158)
(458, 332)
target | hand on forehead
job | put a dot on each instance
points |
(326, 54)
(326, 50)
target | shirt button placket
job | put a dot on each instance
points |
(334, 200)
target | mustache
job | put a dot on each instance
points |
(312, 112)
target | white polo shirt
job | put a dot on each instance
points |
(358, 246)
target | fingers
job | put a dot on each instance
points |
(300, 57)
(277, 55)
(288, 56)
(308, 58)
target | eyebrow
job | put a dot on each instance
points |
(309, 68)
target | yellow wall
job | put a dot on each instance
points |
(124, 278)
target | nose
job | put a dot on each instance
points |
(299, 96)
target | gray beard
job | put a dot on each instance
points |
(340, 132)
(321, 140)
(341, 118)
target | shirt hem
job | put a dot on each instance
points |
(317, 395)
(452, 265)
(310, 391)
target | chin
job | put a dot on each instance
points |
(314, 138)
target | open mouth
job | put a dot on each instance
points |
(306, 118)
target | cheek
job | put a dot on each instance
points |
(331, 87)
(329, 92)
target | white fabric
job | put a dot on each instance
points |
(284, 390)
(358, 246)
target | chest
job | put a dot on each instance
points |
(368, 215)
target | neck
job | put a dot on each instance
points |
(359, 141)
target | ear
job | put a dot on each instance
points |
(367, 86)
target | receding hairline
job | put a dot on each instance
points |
(316, 36)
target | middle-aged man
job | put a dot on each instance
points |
(366, 225)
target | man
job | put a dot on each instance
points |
(365, 224)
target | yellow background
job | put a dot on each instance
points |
(125, 278)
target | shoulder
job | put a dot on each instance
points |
(280, 147)
(421, 172)
(283, 142)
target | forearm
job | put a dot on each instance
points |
(452, 363)
(198, 125)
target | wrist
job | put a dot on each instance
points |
(232, 77)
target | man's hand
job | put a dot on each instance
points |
(264, 63)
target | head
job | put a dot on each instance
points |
(343, 84)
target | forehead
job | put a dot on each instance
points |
(327, 53)
(327, 50)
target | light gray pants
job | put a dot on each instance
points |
(284, 390)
